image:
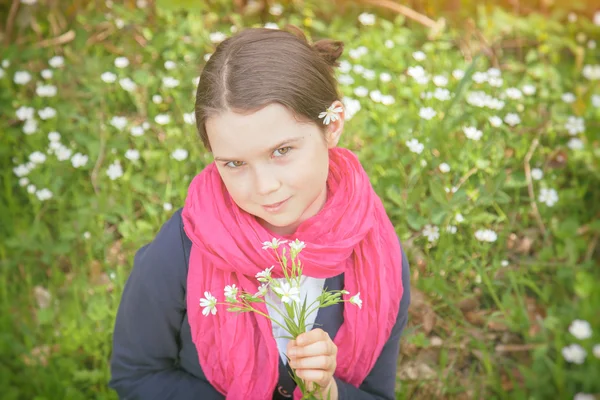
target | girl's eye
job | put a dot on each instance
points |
(282, 151)
(234, 164)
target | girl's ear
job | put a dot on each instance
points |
(335, 128)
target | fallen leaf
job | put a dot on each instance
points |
(415, 371)
(42, 296)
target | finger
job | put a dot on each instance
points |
(327, 363)
(318, 376)
(316, 349)
(310, 337)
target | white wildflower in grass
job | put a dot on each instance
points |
(548, 197)
(331, 114)
(494, 72)
(575, 144)
(574, 353)
(276, 9)
(584, 396)
(157, 99)
(346, 80)
(87, 236)
(264, 276)
(170, 65)
(136, 130)
(207, 56)
(43, 194)
(513, 93)
(427, 113)
(352, 106)
(114, 171)
(596, 350)
(591, 72)
(31, 189)
(486, 235)
(504, 263)
(419, 55)
(480, 77)
(5, 63)
(472, 133)
(37, 157)
(22, 77)
(414, 146)
(441, 94)
(132, 155)
(358, 53)
(596, 19)
(62, 152)
(345, 67)
(495, 81)
(385, 77)
(459, 218)
(478, 279)
(217, 37)
(444, 168)
(46, 90)
(512, 119)
(288, 292)
(366, 19)
(24, 113)
(29, 2)
(356, 300)
(231, 292)
(145, 125)
(56, 62)
(189, 118)
(209, 304)
(568, 97)
(273, 244)
(580, 329)
(271, 25)
(369, 74)
(79, 160)
(47, 113)
(537, 174)
(108, 77)
(495, 121)
(387, 100)
(121, 62)
(440, 80)
(416, 72)
(431, 232)
(46, 73)
(458, 74)
(451, 229)
(23, 182)
(127, 84)
(179, 154)
(21, 170)
(528, 90)
(389, 44)
(423, 163)
(575, 125)
(376, 96)
(118, 122)
(361, 91)
(167, 206)
(170, 82)
(162, 119)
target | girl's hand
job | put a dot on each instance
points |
(313, 356)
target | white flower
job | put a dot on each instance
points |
(231, 292)
(591, 72)
(345, 67)
(597, 18)
(431, 232)
(458, 74)
(170, 82)
(575, 144)
(366, 18)
(157, 99)
(472, 133)
(118, 122)
(537, 174)
(480, 77)
(5, 63)
(419, 55)
(56, 61)
(529, 90)
(331, 114)
(179, 154)
(189, 118)
(114, 171)
(23, 182)
(427, 113)
(385, 77)
(423, 163)
(53, 136)
(512, 119)
(495, 81)
(132, 155)
(486, 235)
(574, 353)
(108, 77)
(376, 96)
(86, 236)
(297, 246)
(451, 229)
(440, 80)
(29, 2)
(21, 170)
(46, 90)
(209, 302)
(127, 84)
(47, 113)
(43, 194)
(162, 119)
(580, 329)
(495, 121)
(273, 244)
(444, 167)
(145, 125)
(568, 97)
(596, 350)
(22, 77)
(346, 80)
(459, 218)
(46, 73)
(31, 189)
(62, 153)
(514, 93)
(352, 106)
(217, 37)
(356, 300)
(584, 396)
(504, 263)
(416, 72)
(441, 94)
(287, 292)
(369, 74)
(141, 3)
(264, 276)
(207, 56)
(387, 100)
(167, 206)
(575, 125)
(270, 25)
(478, 279)
(276, 9)
(25, 113)
(136, 131)
(121, 62)
(170, 65)
(548, 196)
(37, 157)
(389, 43)
(361, 91)
(262, 290)
(414, 146)
(79, 160)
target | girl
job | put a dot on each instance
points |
(268, 109)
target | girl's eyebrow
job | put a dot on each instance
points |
(272, 149)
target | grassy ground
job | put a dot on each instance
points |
(482, 141)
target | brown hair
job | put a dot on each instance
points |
(260, 66)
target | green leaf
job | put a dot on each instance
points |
(437, 192)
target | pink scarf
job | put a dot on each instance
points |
(351, 234)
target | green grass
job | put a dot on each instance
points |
(488, 319)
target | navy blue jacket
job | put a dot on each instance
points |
(153, 354)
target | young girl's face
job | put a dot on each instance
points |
(273, 166)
